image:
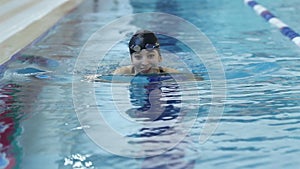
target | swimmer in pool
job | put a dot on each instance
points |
(145, 56)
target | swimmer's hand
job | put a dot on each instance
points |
(92, 78)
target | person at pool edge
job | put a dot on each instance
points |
(145, 56)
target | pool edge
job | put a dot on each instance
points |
(12, 45)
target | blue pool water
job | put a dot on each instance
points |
(259, 127)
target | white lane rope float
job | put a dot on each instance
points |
(272, 19)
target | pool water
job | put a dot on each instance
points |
(259, 127)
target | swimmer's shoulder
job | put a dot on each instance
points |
(125, 70)
(184, 76)
(169, 70)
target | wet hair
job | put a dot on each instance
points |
(143, 39)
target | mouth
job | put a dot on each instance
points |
(144, 70)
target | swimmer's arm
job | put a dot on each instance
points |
(184, 76)
(170, 70)
(126, 70)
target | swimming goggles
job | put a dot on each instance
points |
(138, 48)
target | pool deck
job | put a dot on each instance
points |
(21, 22)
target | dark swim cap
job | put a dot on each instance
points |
(143, 40)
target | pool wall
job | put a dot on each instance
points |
(21, 22)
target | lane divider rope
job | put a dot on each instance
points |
(272, 19)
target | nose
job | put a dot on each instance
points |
(145, 61)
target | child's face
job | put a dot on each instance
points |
(146, 61)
